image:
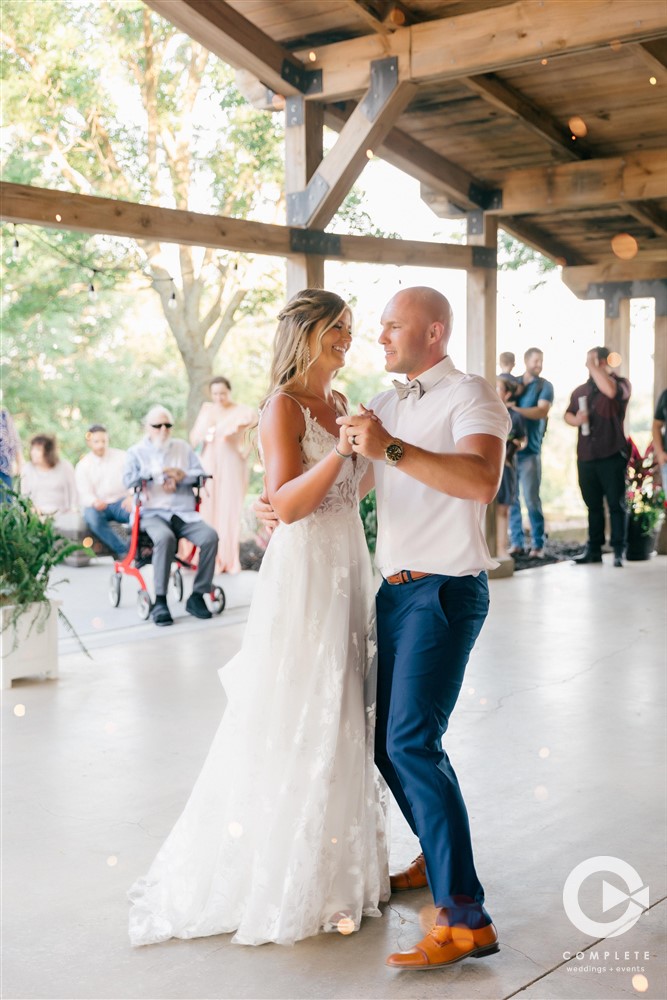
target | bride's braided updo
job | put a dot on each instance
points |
(291, 356)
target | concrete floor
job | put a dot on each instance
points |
(558, 740)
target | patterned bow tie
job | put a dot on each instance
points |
(404, 389)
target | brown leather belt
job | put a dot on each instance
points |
(405, 576)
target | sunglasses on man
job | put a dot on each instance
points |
(158, 426)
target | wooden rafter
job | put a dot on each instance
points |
(472, 44)
(636, 177)
(236, 40)
(509, 100)
(22, 204)
(578, 279)
(650, 215)
(654, 55)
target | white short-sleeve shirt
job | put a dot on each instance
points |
(420, 528)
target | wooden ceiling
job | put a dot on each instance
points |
(503, 94)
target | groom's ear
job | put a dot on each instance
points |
(436, 331)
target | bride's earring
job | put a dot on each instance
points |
(306, 359)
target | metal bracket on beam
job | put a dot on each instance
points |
(614, 291)
(475, 223)
(308, 81)
(302, 204)
(486, 198)
(314, 241)
(484, 257)
(384, 80)
(294, 111)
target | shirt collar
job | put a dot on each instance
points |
(437, 373)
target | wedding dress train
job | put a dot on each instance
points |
(284, 833)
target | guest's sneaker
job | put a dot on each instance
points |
(447, 945)
(414, 876)
(515, 550)
(618, 557)
(160, 614)
(196, 605)
(536, 554)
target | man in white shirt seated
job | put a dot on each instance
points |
(102, 495)
(168, 511)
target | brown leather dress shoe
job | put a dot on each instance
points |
(445, 946)
(413, 877)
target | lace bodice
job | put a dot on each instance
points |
(316, 444)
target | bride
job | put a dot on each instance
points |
(284, 833)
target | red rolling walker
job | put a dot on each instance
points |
(140, 554)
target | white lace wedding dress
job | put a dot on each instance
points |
(284, 833)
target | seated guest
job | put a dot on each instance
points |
(49, 482)
(168, 512)
(102, 495)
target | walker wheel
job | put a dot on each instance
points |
(143, 604)
(217, 600)
(114, 589)
(177, 582)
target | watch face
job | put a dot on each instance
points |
(394, 452)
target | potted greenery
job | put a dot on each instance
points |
(645, 502)
(29, 549)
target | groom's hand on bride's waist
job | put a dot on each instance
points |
(265, 514)
(366, 433)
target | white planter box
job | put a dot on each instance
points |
(36, 651)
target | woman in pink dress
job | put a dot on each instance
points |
(221, 428)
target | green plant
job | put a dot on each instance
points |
(29, 549)
(645, 499)
(369, 518)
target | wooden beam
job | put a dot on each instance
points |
(617, 333)
(511, 102)
(659, 357)
(551, 247)
(484, 42)
(22, 204)
(417, 160)
(578, 279)
(303, 154)
(343, 164)
(633, 177)
(237, 41)
(648, 214)
(366, 18)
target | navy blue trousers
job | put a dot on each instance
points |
(426, 630)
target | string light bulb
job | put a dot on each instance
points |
(15, 246)
(92, 294)
(172, 303)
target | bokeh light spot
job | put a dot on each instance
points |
(369, 154)
(334, 840)
(19, 710)
(58, 218)
(614, 360)
(278, 102)
(544, 752)
(544, 62)
(345, 925)
(98, 622)
(235, 829)
(577, 126)
(87, 542)
(397, 16)
(112, 860)
(471, 690)
(541, 793)
(483, 701)
(640, 983)
(625, 246)
(312, 56)
(652, 80)
(462, 937)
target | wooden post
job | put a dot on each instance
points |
(481, 292)
(659, 354)
(617, 328)
(303, 155)
(482, 286)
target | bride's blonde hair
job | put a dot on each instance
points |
(291, 357)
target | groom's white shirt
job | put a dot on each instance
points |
(420, 528)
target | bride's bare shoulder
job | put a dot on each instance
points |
(281, 411)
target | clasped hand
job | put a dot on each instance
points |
(172, 477)
(365, 433)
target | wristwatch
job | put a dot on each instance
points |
(393, 453)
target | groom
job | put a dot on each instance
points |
(438, 444)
